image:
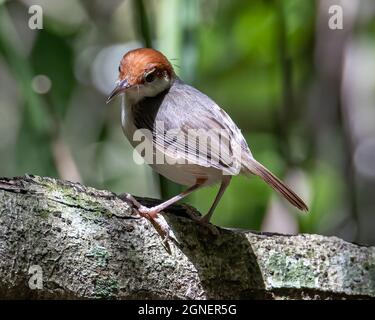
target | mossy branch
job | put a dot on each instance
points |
(89, 244)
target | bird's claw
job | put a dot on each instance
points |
(194, 215)
(152, 215)
(215, 231)
(192, 212)
(164, 231)
(127, 197)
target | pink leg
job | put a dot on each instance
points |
(151, 213)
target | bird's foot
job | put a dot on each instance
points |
(191, 212)
(142, 210)
(194, 215)
(151, 214)
(213, 229)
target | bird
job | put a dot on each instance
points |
(172, 115)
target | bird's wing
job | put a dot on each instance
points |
(192, 128)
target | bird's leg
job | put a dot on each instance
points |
(153, 211)
(224, 184)
(205, 220)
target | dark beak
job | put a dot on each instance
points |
(120, 87)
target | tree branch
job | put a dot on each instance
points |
(90, 245)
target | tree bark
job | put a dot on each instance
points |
(63, 240)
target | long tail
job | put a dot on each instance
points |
(259, 170)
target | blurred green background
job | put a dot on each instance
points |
(303, 95)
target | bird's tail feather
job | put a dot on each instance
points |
(259, 170)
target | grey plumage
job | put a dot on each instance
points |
(183, 108)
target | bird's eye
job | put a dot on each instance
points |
(150, 77)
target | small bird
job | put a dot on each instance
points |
(156, 100)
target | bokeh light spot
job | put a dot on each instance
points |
(41, 84)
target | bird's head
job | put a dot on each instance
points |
(143, 73)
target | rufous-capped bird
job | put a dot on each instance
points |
(155, 99)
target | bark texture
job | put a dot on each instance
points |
(89, 244)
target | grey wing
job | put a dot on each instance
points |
(187, 125)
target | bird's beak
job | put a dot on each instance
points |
(120, 87)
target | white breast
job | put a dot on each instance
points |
(127, 122)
